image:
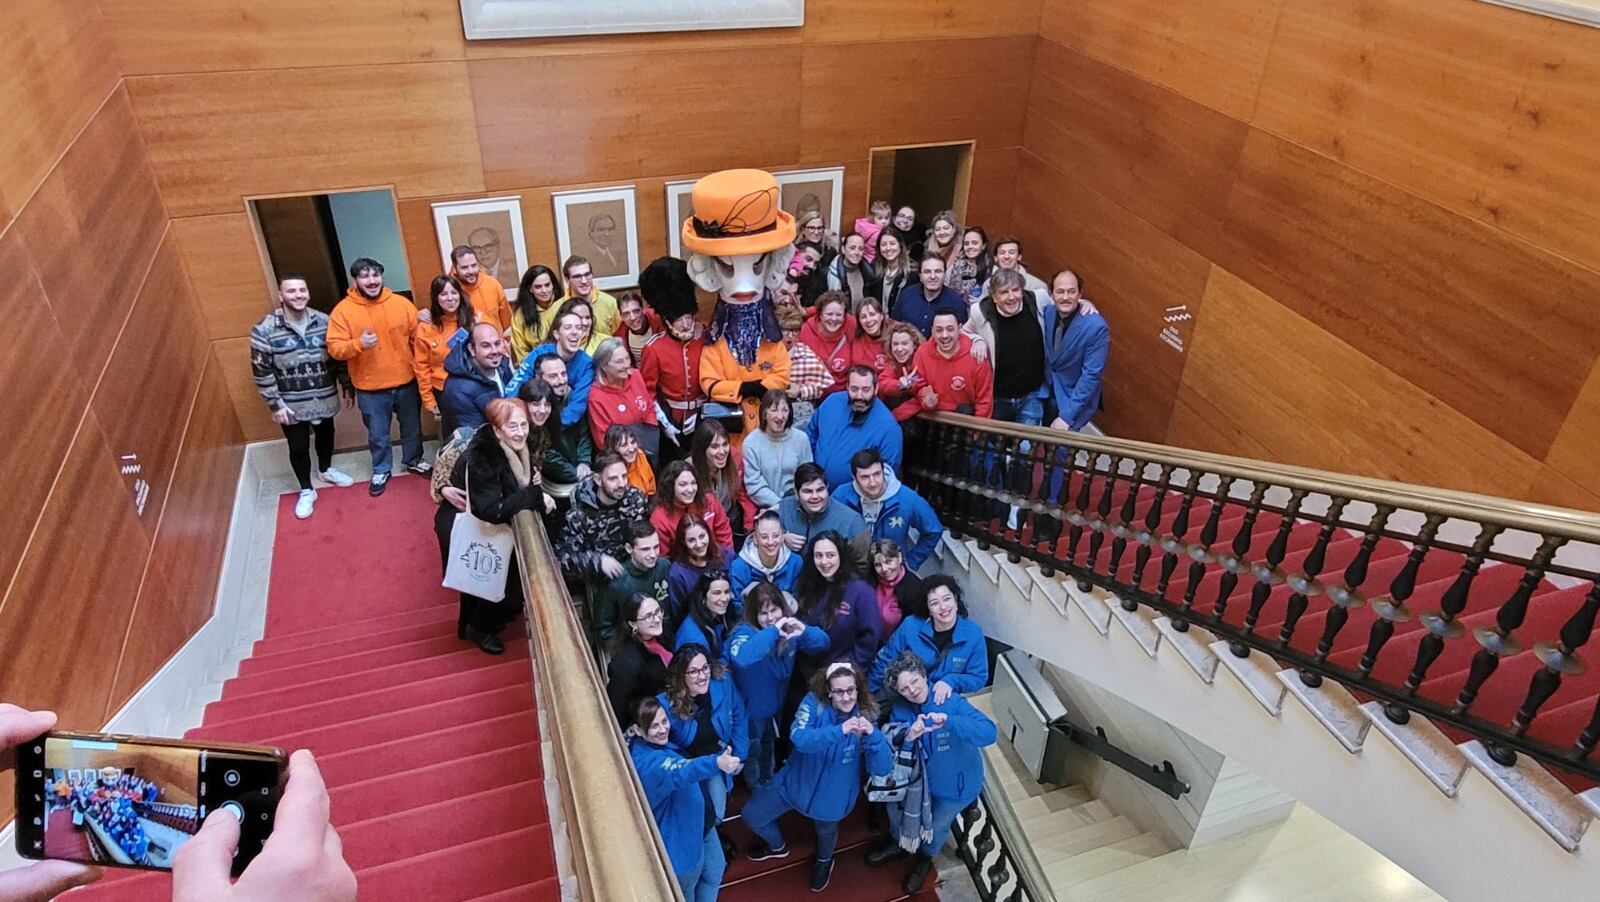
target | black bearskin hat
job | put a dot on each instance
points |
(667, 288)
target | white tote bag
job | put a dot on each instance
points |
(480, 554)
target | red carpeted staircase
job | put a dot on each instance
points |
(430, 748)
(1559, 721)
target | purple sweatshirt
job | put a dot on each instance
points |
(856, 628)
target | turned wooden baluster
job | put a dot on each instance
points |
(1391, 609)
(1347, 596)
(1305, 582)
(1125, 527)
(1559, 659)
(1049, 511)
(1152, 521)
(1442, 624)
(1200, 552)
(1100, 522)
(1590, 737)
(1237, 557)
(1079, 517)
(1266, 573)
(1500, 642)
(1174, 543)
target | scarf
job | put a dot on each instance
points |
(519, 464)
(745, 326)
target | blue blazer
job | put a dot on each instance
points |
(1074, 365)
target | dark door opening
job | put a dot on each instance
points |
(928, 178)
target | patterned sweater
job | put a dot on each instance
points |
(292, 368)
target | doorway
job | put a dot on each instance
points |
(928, 178)
(317, 237)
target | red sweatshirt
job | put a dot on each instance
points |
(902, 403)
(627, 405)
(959, 380)
(666, 522)
(836, 350)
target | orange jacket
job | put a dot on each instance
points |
(640, 474)
(720, 376)
(389, 363)
(429, 347)
(489, 302)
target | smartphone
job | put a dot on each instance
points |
(132, 802)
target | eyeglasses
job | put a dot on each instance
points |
(478, 249)
(842, 693)
(653, 615)
(700, 671)
(581, 276)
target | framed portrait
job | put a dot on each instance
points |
(813, 191)
(680, 206)
(600, 225)
(492, 227)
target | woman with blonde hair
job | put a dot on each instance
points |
(898, 381)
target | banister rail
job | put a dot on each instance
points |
(616, 849)
(1271, 547)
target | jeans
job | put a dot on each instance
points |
(377, 407)
(760, 767)
(1027, 411)
(299, 436)
(761, 815)
(701, 882)
(717, 791)
(944, 814)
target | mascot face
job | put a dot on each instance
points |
(741, 279)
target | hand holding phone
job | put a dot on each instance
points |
(45, 879)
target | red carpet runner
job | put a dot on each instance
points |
(430, 748)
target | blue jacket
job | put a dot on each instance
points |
(746, 570)
(727, 718)
(690, 630)
(580, 375)
(761, 671)
(467, 390)
(1074, 364)
(823, 778)
(965, 666)
(955, 750)
(903, 510)
(672, 786)
(835, 516)
(835, 436)
(913, 306)
(856, 624)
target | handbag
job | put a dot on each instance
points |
(905, 774)
(480, 554)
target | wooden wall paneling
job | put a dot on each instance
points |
(1389, 273)
(714, 44)
(153, 632)
(942, 90)
(1574, 453)
(63, 620)
(44, 398)
(218, 137)
(1486, 110)
(890, 21)
(224, 266)
(993, 189)
(59, 70)
(193, 533)
(551, 121)
(1316, 401)
(1213, 52)
(1199, 424)
(1132, 272)
(233, 356)
(92, 230)
(1167, 158)
(1551, 486)
(166, 36)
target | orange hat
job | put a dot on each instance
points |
(736, 213)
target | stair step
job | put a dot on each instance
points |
(389, 725)
(439, 613)
(1056, 823)
(426, 749)
(236, 703)
(1104, 860)
(1050, 803)
(349, 643)
(546, 890)
(349, 671)
(1074, 842)
(393, 793)
(355, 662)
(430, 828)
(339, 710)
(468, 871)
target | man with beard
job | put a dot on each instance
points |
(371, 330)
(851, 421)
(566, 461)
(596, 539)
(478, 373)
(488, 296)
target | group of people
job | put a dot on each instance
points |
(115, 803)
(723, 497)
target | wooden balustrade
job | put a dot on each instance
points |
(1277, 529)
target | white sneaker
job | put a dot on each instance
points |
(308, 500)
(337, 477)
(1011, 521)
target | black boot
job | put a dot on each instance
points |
(918, 874)
(730, 851)
(882, 855)
(489, 642)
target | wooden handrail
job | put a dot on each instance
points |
(616, 848)
(1525, 515)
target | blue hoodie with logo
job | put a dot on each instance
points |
(747, 570)
(964, 666)
(895, 516)
(762, 671)
(672, 786)
(727, 718)
(823, 778)
(955, 750)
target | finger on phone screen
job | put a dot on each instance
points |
(203, 865)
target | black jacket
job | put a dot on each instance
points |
(635, 672)
(492, 491)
